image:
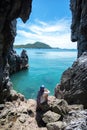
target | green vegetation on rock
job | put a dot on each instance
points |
(35, 45)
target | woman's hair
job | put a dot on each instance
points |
(41, 91)
(42, 88)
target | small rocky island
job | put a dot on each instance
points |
(67, 113)
(17, 62)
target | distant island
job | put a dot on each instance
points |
(38, 45)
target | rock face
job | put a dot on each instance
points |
(9, 11)
(79, 24)
(74, 82)
(17, 62)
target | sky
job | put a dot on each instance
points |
(49, 22)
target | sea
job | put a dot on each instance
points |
(45, 67)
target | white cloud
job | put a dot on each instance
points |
(55, 34)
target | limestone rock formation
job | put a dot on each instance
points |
(79, 24)
(20, 113)
(9, 11)
(74, 82)
(17, 62)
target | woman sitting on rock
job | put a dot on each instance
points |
(42, 97)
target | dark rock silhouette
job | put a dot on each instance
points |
(79, 24)
(74, 82)
(10, 10)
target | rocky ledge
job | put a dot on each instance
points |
(20, 113)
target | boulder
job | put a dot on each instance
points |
(56, 125)
(60, 106)
(50, 116)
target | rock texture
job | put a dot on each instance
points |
(59, 125)
(79, 24)
(74, 82)
(50, 116)
(9, 11)
(20, 113)
(76, 120)
(17, 62)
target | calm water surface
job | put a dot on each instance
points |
(46, 67)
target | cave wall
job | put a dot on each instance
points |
(79, 24)
(10, 10)
(74, 82)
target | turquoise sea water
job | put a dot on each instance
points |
(46, 67)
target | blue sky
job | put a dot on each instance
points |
(49, 22)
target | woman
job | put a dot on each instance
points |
(42, 96)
